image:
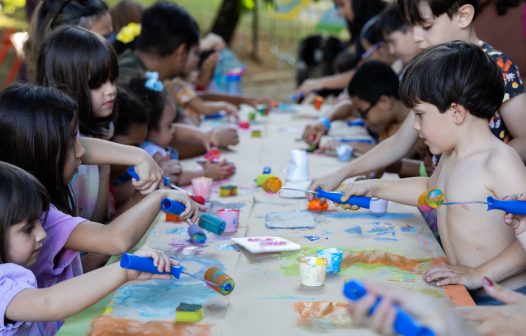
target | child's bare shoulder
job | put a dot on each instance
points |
(505, 166)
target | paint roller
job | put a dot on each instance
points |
(404, 324)
(206, 221)
(214, 278)
(377, 206)
(166, 182)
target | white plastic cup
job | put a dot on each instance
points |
(313, 271)
(298, 170)
(202, 186)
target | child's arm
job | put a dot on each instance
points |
(510, 262)
(338, 81)
(512, 112)
(126, 230)
(101, 208)
(107, 152)
(208, 108)
(312, 133)
(405, 191)
(219, 136)
(385, 153)
(72, 296)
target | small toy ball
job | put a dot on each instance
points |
(435, 198)
(272, 185)
(318, 204)
(430, 199)
(244, 124)
(261, 178)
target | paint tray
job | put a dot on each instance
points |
(257, 245)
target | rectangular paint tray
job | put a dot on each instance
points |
(266, 244)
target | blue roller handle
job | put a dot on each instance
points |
(143, 264)
(404, 324)
(361, 201)
(515, 207)
(173, 207)
(133, 173)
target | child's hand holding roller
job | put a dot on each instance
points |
(360, 188)
(517, 222)
(151, 175)
(160, 260)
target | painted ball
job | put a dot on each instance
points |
(272, 185)
(435, 198)
(422, 203)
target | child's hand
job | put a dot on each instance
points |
(355, 189)
(444, 275)
(221, 137)
(160, 260)
(312, 133)
(425, 310)
(192, 208)
(327, 183)
(517, 223)
(172, 169)
(220, 170)
(230, 109)
(151, 175)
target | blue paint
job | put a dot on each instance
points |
(408, 228)
(312, 238)
(383, 230)
(177, 230)
(366, 215)
(389, 239)
(354, 230)
(228, 247)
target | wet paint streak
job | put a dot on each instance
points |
(312, 238)
(354, 230)
(366, 215)
(323, 315)
(111, 326)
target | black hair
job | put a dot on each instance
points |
(131, 112)
(22, 198)
(51, 14)
(373, 80)
(363, 11)
(36, 135)
(391, 21)
(371, 32)
(165, 27)
(454, 72)
(153, 101)
(76, 61)
(504, 5)
(411, 12)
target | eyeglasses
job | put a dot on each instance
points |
(363, 113)
(371, 50)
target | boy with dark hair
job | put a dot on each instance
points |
(453, 89)
(168, 36)
(398, 35)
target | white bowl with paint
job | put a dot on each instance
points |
(313, 271)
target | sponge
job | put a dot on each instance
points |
(187, 312)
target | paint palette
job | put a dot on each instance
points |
(267, 244)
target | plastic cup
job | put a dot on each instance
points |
(298, 170)
(202, 186)
(344, 153)
(334, 258)
(231, 218)
(313, 271)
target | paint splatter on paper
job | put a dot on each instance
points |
(290, 220)
(323, 315)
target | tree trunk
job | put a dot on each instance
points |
(227, 19)
(255, 31)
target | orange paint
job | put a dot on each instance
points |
(459, 295)
(334, 312)
(383, 259)
(112, 326)
(318, 204)
(172, 218)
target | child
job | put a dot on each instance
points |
(161, 114)
(49, 15)
(38, 133)
(453, 89)
(22, 201)
(83, 65)
(397, 35)
(450, 20)
(131, 128)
